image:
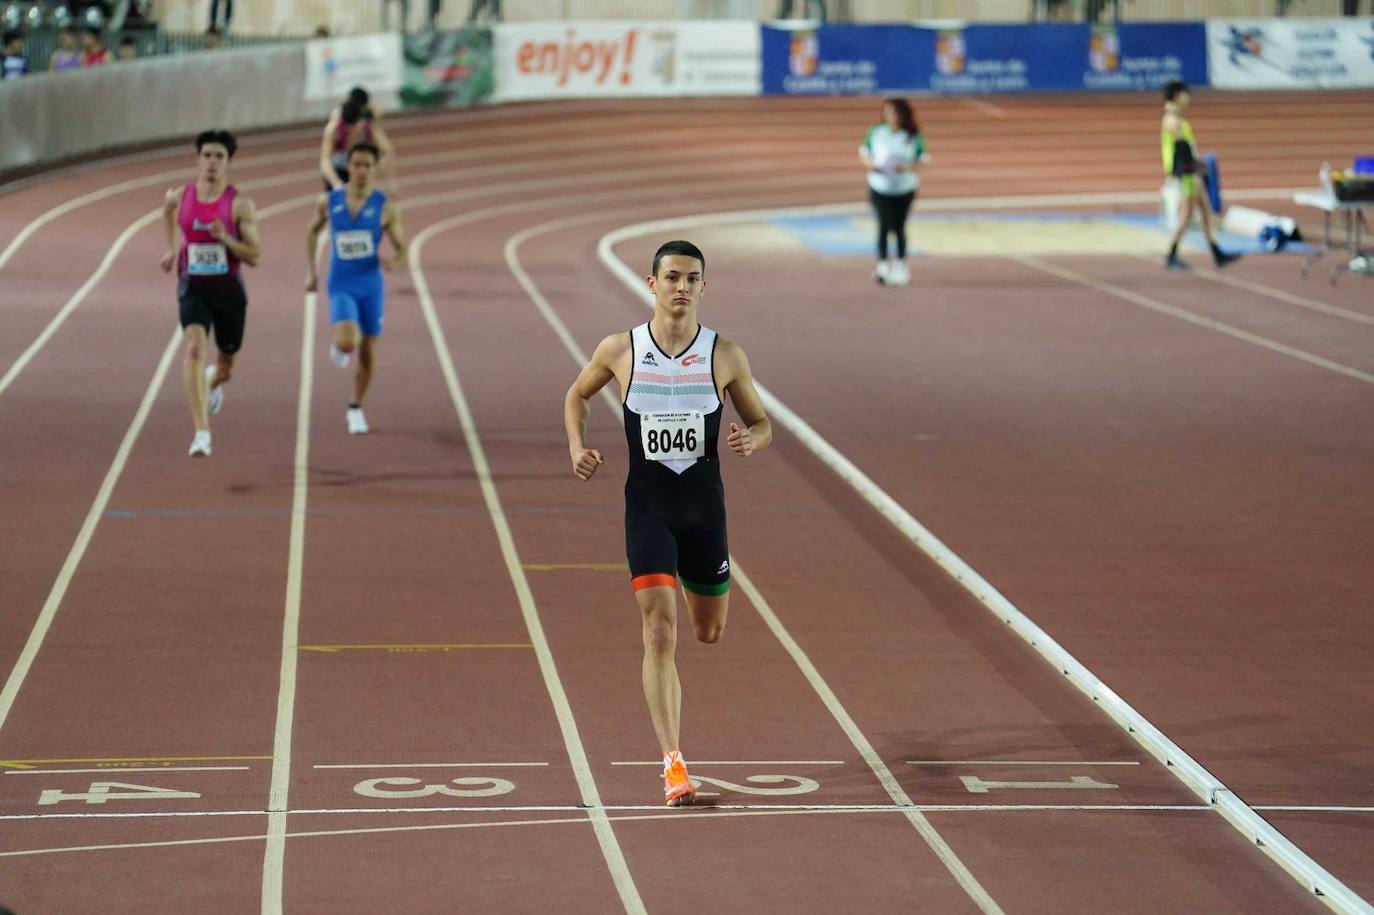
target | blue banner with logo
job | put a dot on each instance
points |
(863, 60)
(843, 59)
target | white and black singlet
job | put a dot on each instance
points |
(674, 498)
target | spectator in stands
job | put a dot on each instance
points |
(213, 39)
(93, 52)
(321, 31)
(67, 56)
(128, 48)
(492, 9)
(811, 9)
(214, 14)
(15, 63)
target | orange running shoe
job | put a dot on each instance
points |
(677, 785)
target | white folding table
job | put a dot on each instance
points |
(1352, 220)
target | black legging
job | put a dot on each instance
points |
(891, 210)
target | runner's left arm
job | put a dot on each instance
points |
(247, 247)
(388, 152)
(757, 431)
(391, 224)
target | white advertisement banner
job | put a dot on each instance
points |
(335, 65)
(607, 59)
(1290, 53)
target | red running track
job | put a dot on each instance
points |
(427, 635)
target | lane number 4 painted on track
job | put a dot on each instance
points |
(100, 792)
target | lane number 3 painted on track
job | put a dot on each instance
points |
(378, 787)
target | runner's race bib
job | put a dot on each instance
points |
(353, 245)
(207, 260)
(672, 436)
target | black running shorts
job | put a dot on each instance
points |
(220, 305)
(677, 531)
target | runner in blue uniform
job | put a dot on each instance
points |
(357, 215)
(673, 376)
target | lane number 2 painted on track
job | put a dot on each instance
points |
(100, 792)
(393, 788)
(787, 785)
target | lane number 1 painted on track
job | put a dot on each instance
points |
(976, 785)
(101, 792)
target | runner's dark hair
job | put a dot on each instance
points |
(680, 248)
(1172, 89)
(367, 148)
(222, 137)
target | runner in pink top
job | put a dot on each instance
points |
(219, 231)
(352, 123)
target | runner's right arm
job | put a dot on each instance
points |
(312, 240)
(327, 153)
(593, 377)
(171, 203)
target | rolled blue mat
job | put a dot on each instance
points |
(1213, 182)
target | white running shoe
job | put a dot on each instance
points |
(200, 445)
(216, 395)
(898, 274)
(337, 356)
(880, 273)
(357, 423)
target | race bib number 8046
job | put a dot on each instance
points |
(672, 436)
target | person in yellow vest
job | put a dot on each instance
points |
(1183, 165)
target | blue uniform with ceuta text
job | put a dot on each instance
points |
(355, 275)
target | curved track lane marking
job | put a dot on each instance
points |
(76, 299)
(516, 132)
(577, 754)
(923, 826)
(83, 537)
(1297, 863)
(1260, 288)
(1184, 314)
(271, 210)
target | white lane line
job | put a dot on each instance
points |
(426, 765)
(1183, 314)
(133, 184)
(578, 808)
(275, 852)
(265, 213)
(122, 770)
(572, 741)
(83, 537)
(76, 298)
(987, 108)
(1315, 809)
(1272, 292)
(678, 817)
(745, 762)
(938, 845)
(1301, 866)
(1015, 762)
(173, 176)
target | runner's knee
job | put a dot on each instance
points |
(709, 632)
(195, 343)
